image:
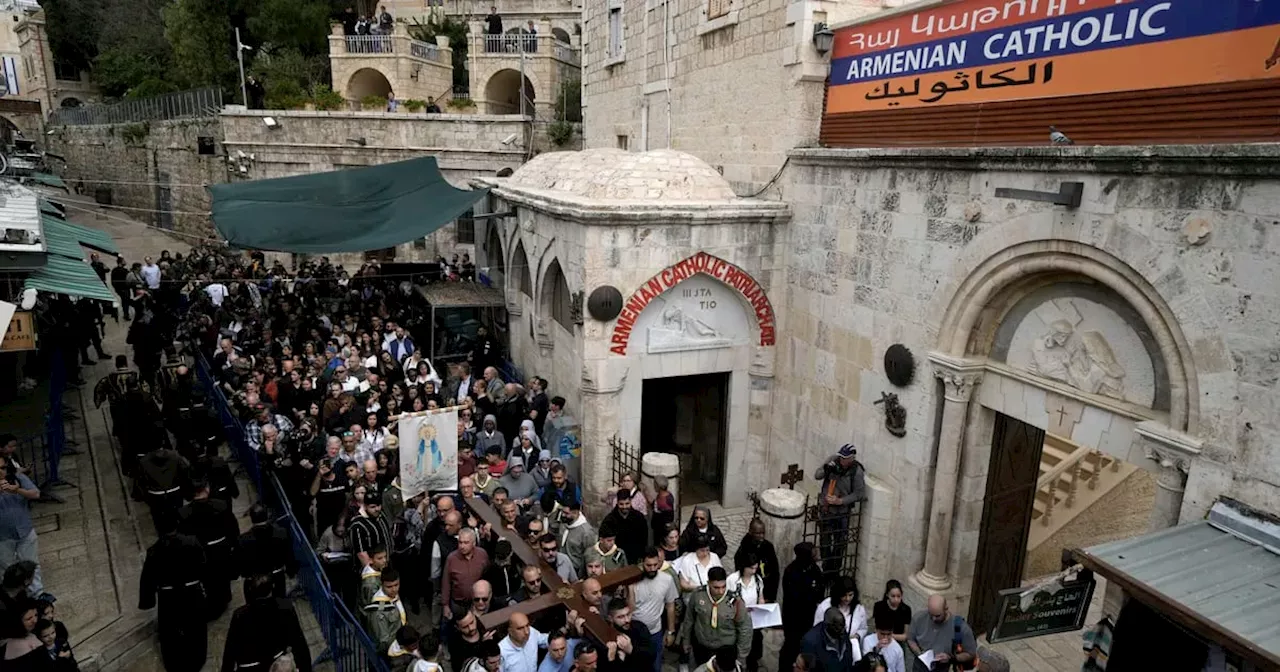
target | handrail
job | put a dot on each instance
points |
(1061, 468)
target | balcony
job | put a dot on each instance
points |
(372, 67)
(512, 44)
(391, 45)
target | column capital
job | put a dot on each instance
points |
(958, 375)
(1172, 450)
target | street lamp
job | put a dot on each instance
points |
(823, 38)
(241, 47)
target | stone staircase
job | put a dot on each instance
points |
(1072, 478)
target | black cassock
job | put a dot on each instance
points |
(266, 549)
(172, 579)
(212, 522)
(262, 631)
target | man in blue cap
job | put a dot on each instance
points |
(844, 482)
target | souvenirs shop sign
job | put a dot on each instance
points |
(718, 268)
(1043, 612)
(976, 51)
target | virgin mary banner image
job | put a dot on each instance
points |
(428, 453)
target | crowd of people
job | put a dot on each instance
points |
(317, 365)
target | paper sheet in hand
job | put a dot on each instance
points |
(926, 658)
(765, 615)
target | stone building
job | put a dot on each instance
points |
(1034, 342)
(378, 65)
(46, 80)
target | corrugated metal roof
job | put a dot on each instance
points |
(1220, 577)
(19, 213)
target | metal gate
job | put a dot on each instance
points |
(836, 535)
(626, 459)
(164, 203)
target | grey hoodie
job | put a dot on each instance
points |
(484, 439)
(518, 487)
(575, 539)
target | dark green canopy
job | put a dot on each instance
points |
(351, 210)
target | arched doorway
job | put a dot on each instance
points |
(493, 257)
(560, 34)
(70, 103)
(556, 299)
(502, 93)
(367, 82)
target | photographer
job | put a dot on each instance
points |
(17, 534)
(844, 483)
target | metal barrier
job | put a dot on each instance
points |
(191, 104)
(349, 646)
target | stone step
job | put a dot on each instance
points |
(105, 649)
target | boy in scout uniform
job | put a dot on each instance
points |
(715, 619)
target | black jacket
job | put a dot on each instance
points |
(802, 584)
(632, 533)
(768, 568)
(260, 631)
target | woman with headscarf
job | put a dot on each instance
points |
(700, 524)
(489, 436)
(519, 484)
(526, 430)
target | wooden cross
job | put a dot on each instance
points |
(568, 595)
(793, 475)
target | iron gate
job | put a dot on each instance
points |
(626, 459)
(836, 535)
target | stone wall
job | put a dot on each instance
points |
(745, 88)
(146, 167)
(882, 250)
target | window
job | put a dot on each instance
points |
(717, 8)
(615, 29)
(623, 141)
(466, 228)
(520, 264)
(561, 300)
(419, 243)
(493, 251)
(205, 146)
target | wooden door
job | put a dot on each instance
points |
(1006, 516)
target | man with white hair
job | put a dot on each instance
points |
(462, 570)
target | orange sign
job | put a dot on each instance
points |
(975, 51)
(21, 334)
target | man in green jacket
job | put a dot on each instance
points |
(385, 614)
(371, 576)
(714, 620)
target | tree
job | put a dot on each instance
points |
(130, 49)
(199, 32)
(298, 25)
(73, 27)
(453, 29)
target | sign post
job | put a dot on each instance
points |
(1042, 610)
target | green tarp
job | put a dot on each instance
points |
(68, 276)
(61, 240)
(353, 210)
(93, 238)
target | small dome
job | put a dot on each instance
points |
(617, 175)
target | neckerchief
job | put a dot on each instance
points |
(610, 554)
(479, 484)
(715, 608)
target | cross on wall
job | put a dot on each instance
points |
(563, 594)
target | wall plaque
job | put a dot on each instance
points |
(605, 303)
(899, 365)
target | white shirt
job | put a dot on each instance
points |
(688, 568)
(892, 654)
(464, 386)
(351, 385)
(522, 658)
(374, 438)
(217, 292)
(855, 623)
(151, 274)
(752, 591)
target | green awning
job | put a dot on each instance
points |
(92, 238)
(68, 276)
(351, 210)
(52, 208)
(59, 239)
(48, 180)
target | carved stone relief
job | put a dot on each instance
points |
(698, 314)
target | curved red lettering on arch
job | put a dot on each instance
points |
(726, 272)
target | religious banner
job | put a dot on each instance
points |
(976, 51)
(428, 452)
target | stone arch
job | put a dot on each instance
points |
(560, 34)
(992, 287)
(520, 270)
(495, 251)
(368, 82)
(745, 289)
(502, 92)
(554, 297)
(70, 102)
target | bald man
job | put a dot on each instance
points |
(934, 630)
(520, 647)
(481, 598)
(593, 593)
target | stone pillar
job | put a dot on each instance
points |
(662, 464)
(782, 511)
(959, 379)
(1173, 452)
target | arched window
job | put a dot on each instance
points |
(493, 252)
(561, 301)
(520, 265)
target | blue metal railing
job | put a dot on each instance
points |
(349, 646)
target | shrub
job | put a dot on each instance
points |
(373, 102)
(461, 103)
(135, 134)
(414, 105)
(285, 95)
(325, 98)
(560, 132)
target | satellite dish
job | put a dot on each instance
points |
(28, 299)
